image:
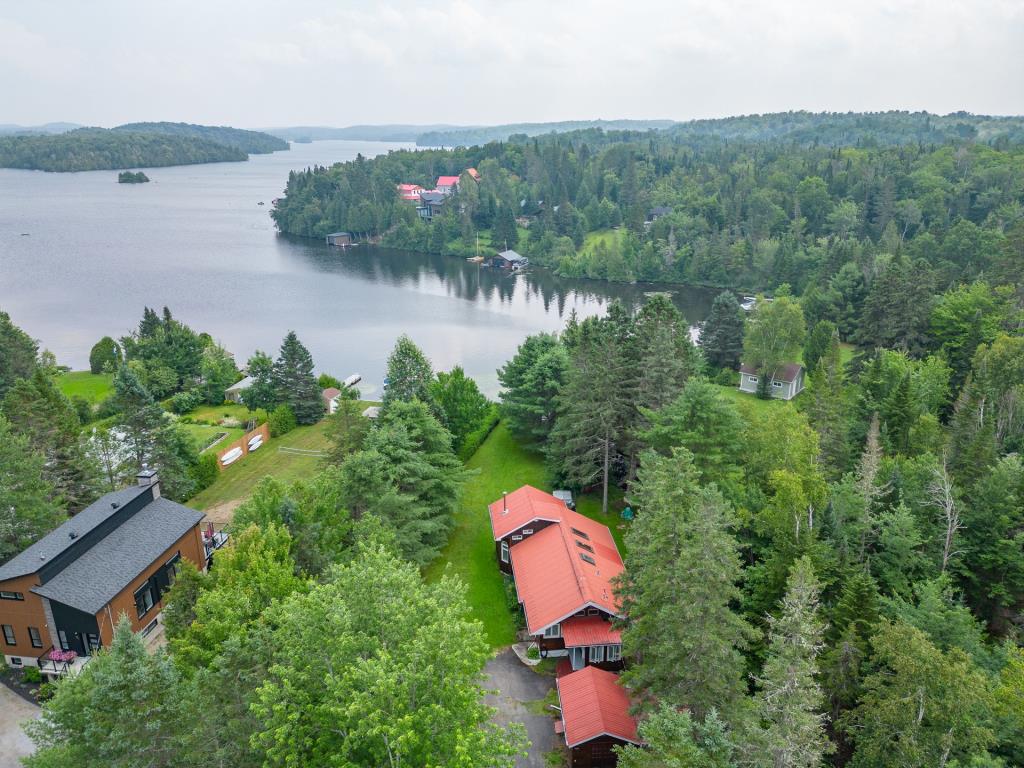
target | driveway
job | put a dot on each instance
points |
(517, 685)
(14, 744)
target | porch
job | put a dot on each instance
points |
(56, 663)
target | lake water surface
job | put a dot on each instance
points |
(81, 255)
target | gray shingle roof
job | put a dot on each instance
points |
(787, 372)
(56, 541)
(95, 578)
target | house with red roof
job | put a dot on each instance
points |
(447, 184)
(595, 717)
(474, 174)
(563, 564)
(410, 193)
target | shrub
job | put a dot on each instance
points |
(104, 356)
(281, 421)
(476, 438)
(326, 380)
(183, 402)
(726, 377)
(32, 676)
(108, 408)
(46, 691)
(533, 652)
(512, 601)
(83, 408)
(205, 471)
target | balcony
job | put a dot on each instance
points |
(212, 541)
(60, 663)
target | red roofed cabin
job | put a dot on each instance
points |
(447, 184)
(563, 564)
(410, 193)
(595, 717)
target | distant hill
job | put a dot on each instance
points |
(9, 128)
(475, 136)
(138, 145)
(357, 132)
(252, 142)
(855, 128)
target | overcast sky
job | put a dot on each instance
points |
(330, 62)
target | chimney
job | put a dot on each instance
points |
(148, 478)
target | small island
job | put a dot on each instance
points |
(127, 177)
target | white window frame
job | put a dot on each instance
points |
(752, 379)
(614, 652)
(505, 551)
(777, 384)
(553, 632)
(527, 531)
(596, 654)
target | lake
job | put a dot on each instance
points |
(81, 255)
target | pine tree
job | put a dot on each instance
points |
(682, 637)
(408, 374)
(721, 336)
(295, 383)
(899, 416)
(17, 353)
(791, 733)
(27, 509)
(530, 382)
(827, 411)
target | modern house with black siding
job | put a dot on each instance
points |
(61, 598)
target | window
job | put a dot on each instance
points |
(581, 534)
(555, 630)
(587, 559)
(752, 379)
(149, 628)
(143, 600)
(527, 531)
(596, 654)
(504, 551)
(11, 596)
(171, 569)
(9, 634)
(62, 638)
(34, 637)
(517, 538)
(93, 642)
(587, 547)
(15, 661)
(777, 384)
(593, 612)
(614, 652)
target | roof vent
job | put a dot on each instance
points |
(72, 535)
(114, 505)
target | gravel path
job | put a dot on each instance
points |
(516, 685)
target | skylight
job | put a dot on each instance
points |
(587, 559)
(581, 534)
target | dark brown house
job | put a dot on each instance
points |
(595, 717)
(61, 597)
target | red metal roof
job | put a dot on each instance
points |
(447, 181)
(474, 173)
(523, 506)
(565, 568)
(594, 704)
(589, 630)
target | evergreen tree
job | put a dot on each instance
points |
(504, 233)
(122, 709)
(295, 383)
(37, 409)
(672, 739)
(791, 731)
(774, 337)
(17, 353)
(682, 563)
(218, 372)
(899, 416)
(721, 336)
(408, 374)
(827, 412)
(459, 403)
(347, 429)
(27, 509)
(818, 342)
(530, 382)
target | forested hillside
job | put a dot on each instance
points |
(133, 146)
(469, 135)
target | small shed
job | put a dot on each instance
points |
(657, 212)
(340, 239)
(372, 412)
(234, 392)
(787, 383)
(509, 260)
(595, 717)
(330, 396)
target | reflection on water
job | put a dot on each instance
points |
(196, 240)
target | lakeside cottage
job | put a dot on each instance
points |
(234, 392)
(61, 598)
(595, 717)
(509, 260)
(340, 239)
(787, 383)
(431, 204)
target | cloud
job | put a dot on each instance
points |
(487, 61)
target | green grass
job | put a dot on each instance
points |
(591, 239)
(503, 465)
(203, 434)
(216, 413)
(236, 482)
(749, 403)
(94, 387)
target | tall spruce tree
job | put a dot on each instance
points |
(827, 412)
(295, 383)
(681, 635)
(530, 382)
(17, 353)
(409, 373)
(721, 336)
(791, 731)
(27, 508)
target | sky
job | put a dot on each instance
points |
(274, 63)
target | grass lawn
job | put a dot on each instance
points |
(607, 236)
(236, 482)
(215, 413)
(749, 403)
(504, 466)
(203, 434)
(94, 387)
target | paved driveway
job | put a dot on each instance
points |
(516, 685)
(14, 744)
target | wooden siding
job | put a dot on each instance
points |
(533, 525)
(596, 753)
(22, 614)
(191, 548)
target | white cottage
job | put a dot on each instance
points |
(787, 383)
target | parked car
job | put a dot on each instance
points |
(565, 496)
